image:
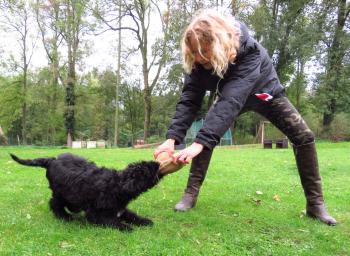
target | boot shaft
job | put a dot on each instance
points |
(196, 177)
(198, 171)
(306, 159)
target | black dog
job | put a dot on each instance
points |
(101, 193)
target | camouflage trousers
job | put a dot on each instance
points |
(282, 114)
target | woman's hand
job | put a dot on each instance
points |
(166, 146)
(185, 156)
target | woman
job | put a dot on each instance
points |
(219, 55)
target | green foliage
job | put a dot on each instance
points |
(340, 95)
(245, 128)
(10, 101)
(297, 93)
(132, 109)
(314, 120)
(339, 129)
(334, 81)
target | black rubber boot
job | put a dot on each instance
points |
(306, 158)
(196, 177)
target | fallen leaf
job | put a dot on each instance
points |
(250, 221)
(257, 201)
(65, 244)
(277, 198)
(236, 214)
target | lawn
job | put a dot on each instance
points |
(231, 218)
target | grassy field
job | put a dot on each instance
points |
(230, 217)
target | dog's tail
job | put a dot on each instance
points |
(41, 162)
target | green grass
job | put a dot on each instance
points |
(228, 219)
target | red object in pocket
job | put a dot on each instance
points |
(264, 96)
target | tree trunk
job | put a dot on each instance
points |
(48, 19)
(25, 71)
(299, 83)
(145, 71)
(69, 113)
(71, 34)
(334, 65)
(54, 102)
(148, 109)
(116, 122)
(55, 79)
(3, 138)
(24, 112)
(234, 8)
(70, 97)
(69, 140)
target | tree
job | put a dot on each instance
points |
(71, 27)
(17, 18)
(139, 13)
(337, 45)
(46, 126)
(304, 40)
(48, 18)
(116, 116)
(275, 23)
(11, 105)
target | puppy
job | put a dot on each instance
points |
(103, 194)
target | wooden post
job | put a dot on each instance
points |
(262, 132)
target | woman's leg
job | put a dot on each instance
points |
(198, 171)
(285, 117)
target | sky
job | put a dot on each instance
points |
(103, 53)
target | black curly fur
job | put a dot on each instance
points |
(103, 194)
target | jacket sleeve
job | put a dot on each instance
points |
(235, 91)
(186, 109)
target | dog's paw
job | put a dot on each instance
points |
(144, 222)
(64, 217)
(125, 228)
(68, 218)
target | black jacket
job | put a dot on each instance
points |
(252, 73)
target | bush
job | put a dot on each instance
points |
(314, 121)
(339, 130)
(155, 139)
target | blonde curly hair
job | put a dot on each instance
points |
(220, 32)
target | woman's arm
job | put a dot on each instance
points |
(241, 81)
(186, 109)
